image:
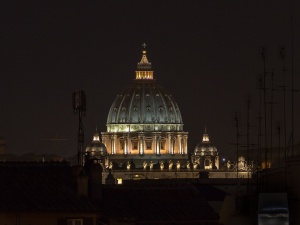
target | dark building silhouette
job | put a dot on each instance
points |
(46, 193)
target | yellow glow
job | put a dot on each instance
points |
(96, 138)
(119, 181)
(144, 74)
(263, 165)
(205, 138)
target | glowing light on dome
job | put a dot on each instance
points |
(144, 75)
(144, 71)
(205, 138)
(96, 137)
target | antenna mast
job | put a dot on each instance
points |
(282, 54)
(248, 133)
(265, 114)
(271, 119)
(79, 107)
(237, 145)
(292, 84)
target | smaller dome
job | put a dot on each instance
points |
(205, 147)
(96, 149)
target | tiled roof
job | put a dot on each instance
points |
(34, 186)
(211, 193)
(157, 201)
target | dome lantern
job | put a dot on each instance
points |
(205, 138)
(144, 71)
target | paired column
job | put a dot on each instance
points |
(171, 142)
(113, 144)
(185, 144)
(104, 141)
(179, 143)
(126, 144)
(157, 143)
(141, 143)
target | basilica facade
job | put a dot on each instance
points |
(144, 124)
(144, 138)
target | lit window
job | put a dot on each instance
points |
(119, 181)
(134, 144)
(162, 144)
(148, 144)
(122, 144)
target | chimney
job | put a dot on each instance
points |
(80, 180)
(94, 171)
(95, 183)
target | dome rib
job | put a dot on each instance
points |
(131, 106)
(153, 102)
(165, 108)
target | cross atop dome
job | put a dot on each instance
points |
(144, 66)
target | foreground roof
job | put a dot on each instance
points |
(40, 187)
(157, 202)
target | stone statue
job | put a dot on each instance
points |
(242, 165)
(151, 165)
(170, 164)
(178, 165)
(110, 166)
(161, 164)
(195, 165)
(144, 165)
(228, 164)
(128, 165)
(188, 165)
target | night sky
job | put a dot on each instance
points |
(206, 53)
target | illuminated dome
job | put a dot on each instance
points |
(144, 123)
(145, 103)
(144, 106)
(96, 149)
(205, 147)
(206, 154)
